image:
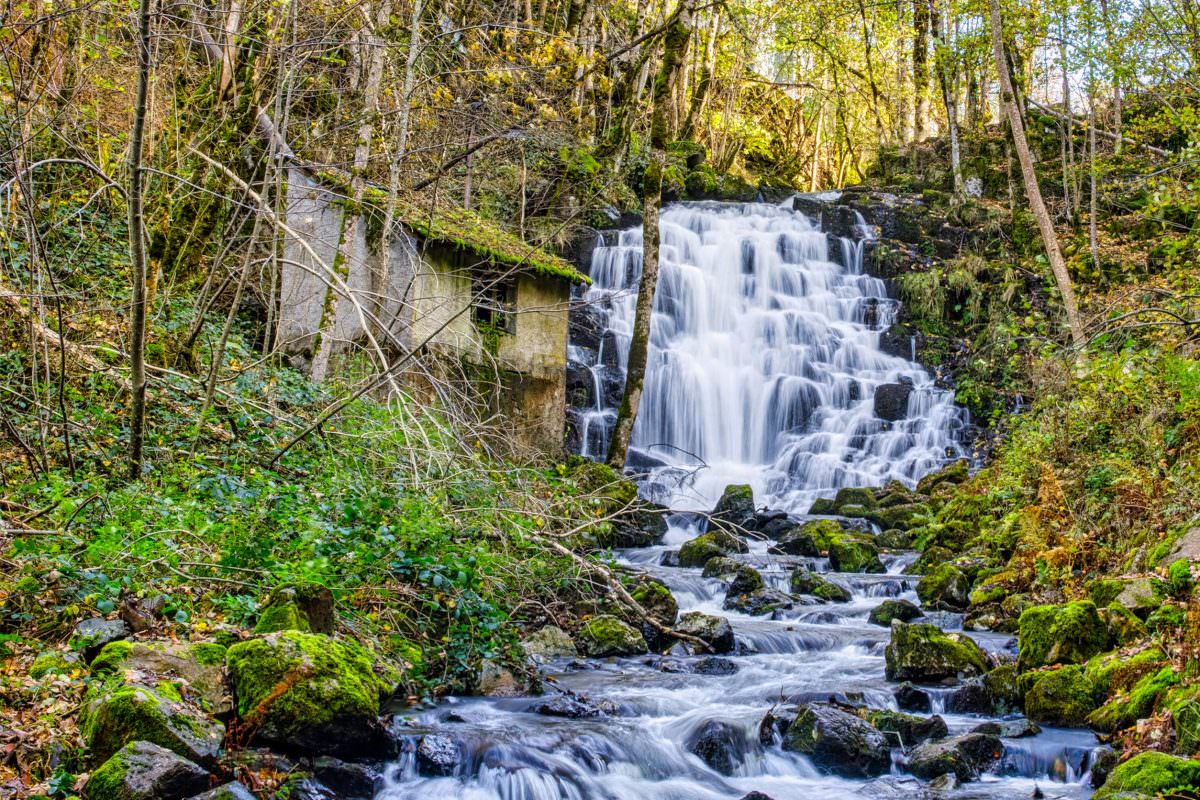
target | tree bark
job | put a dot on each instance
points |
(137, 249)
(920, 61)
(675, 45)
(1032, 192)
(947, 82)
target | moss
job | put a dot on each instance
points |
(902, 517)
(1125, 710)
(853, 554)
(615, 490)
(1117, 672)
(1105, 591)
(657, 599)
(921, 652)
(1184, 704)
(824, 532)
(1166, 617)
(988, 593)
(957, 472)
(606, 635)
(696, 552)
(1060, 697)
(52, 662)
(169, 690)
(1123, 625)
(281, 617)
(1005, 689)
(1069, 634)
(945, 587)
(310, 680)
(1179, 577)
(114, 716)
(208, 653)
(1150, 774)
(111, 657)
(805, 582)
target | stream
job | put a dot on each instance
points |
(765, 366)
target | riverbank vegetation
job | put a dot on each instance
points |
(248, 499)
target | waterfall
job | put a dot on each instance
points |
(764, 362)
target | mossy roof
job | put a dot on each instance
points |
(464, 229)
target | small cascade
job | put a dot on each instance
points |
(764, 362)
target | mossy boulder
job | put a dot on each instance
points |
(964, 756)
(605, 636)
(823, 532)
(310, 693)
(145, 771)
(1062, 696)
(804, 581)
(304, 607)
(854, 554)
(1123, 625)
(715, 631)
(1125, 709)
(55, 662)
(929, 560)
(613, 489)
(1149, 774)
(200, 664)
(797, 542)
(1067, 634)
(696, 552)
(115, 714)
(895, 540)
(945, 588)
(1139, 595)
(757, 603)
(1117, 672)
(888, 610)
(1005, 689)
(91, 635)
(654, 596)
(746, 579)
(736, 505)
(955, 473)
(924, 653)
(900, 517)
(1184, 704)
(641, 525)
(721, 567)
(858, 500)
(549, 642)
(837, 741)
(1167, 618)
(906, 730)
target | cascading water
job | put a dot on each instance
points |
(765, 368)
(764, 363)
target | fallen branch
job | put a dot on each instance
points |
(1158, 151)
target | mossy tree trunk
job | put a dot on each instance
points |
(675, 46)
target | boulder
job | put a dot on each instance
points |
(923, 653)
(145, 771)
(1068, 634)
(962, 756)
(721, 745)
(199, 667)
(956, 472)
(717, 542)
(349, 781)
(891, 401)
(849, 554)
(713, 665)
(1139, 595)
(772, 524)
(722, 567)
(899, 517)
(642, 526)
(837, 741)
(304, 607)
(894, 539)
(715, 631)
(888, 610)
(1061, 697)
(605, 636)
(91, 635)
(1123, 625)
(906, 730)
(746, 579)
(115, 714)
(736, 505)
(494, 679)
(796, 542)
(757, 603)
(911, 698)
(1124, 711)
(945, 588)
(654, 596)
(310, 693)
(226, 791)
(568, 707)
(804, 581)
(1004, 686)
(438, 755)
(548, 643)
(1149, 774)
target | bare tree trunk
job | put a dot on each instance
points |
(137, 249)
(948, 83)
(675, 46)
(1032, 192)
(920, 62)
(1093, 233)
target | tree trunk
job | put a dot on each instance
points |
(137, 250)
(1032, 192)
(947, 82)
(920, 60)
(675, 46)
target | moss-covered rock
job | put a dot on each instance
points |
(1123, 625)
(1118, 672)
(746, 579)
(55, 662)
(859, 501)
(929, 560)
(736, 504)
(924, 653)
(606, 636)
(895, 540)
(549, 642)
(654, 596)
(1063, 696)
(1139, 595)
(824, 532)
(854, 554)
(713, 630)
(955, 473)
(945, 588)
(901, 517)
(804, 581)
(964, 756)
(721, 567)
(888, 610)
(717, 542)
(309, 693)
(1005, 689)
(1149, 774)
(1184, 704)
(145, 771)
(757, 603)
(115, 714)
(304, 607)
(200, 664)
(1068, 634)
(837, 741)
(1167, 617)
(906, 730)
(1125, 709)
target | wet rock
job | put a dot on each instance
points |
(759, 602)
(723, 568)
(920, 652)
(669, 559)
(713, 665)
(846, 497)
(891, 401)
(438, 755)
(906, 730)
(756, 796)
(606, 636)
(901, 517)
(721, 745)
(329, 702)
(1149, 774)
(962, 756)
(197, 669)
(548, 643)
(797, 541)
(1139, 596)
(581, 385)
(971, 697)
(610, 350)
(944, 783)
(115, 715)
(744, 581)
(894, 787)
(228, 791)
(775, 724)
(1068, 634)
(772, 524)
(91, 635)
(736, 506)
(350, 781)
(954, 473)
(910, 698)
(304, 607)
(586, 323)
(1103, 763)
(568, 706)
(496, 680)
(1123, 625)
(715, 631)
(894, 539)
(654, 596)
(849, 554)
(888, 610)
(644, 526)
(145, 771)
(1061, 697)
(308, 789)
(838, 742)
(945, 588)
(1009, 729)
(717, 542)
(804, 581)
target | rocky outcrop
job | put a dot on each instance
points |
(199, 665)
